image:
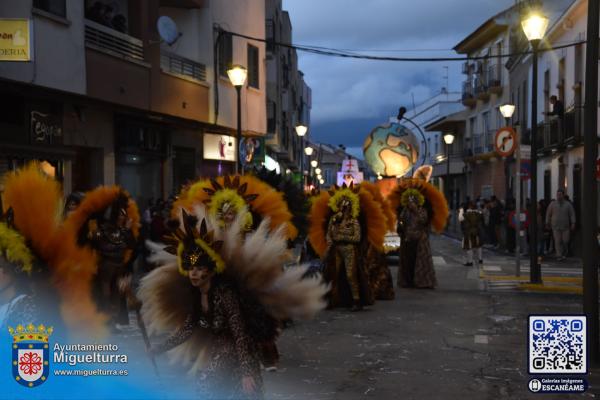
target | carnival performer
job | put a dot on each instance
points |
(226, 198)
(46, 275)
(223, 295)
(108, 221)
(472, 221)
(421, 207)
(343, 220)
(380, 276)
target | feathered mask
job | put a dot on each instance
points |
(194, 247)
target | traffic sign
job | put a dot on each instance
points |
(512, 219)
(505, 141)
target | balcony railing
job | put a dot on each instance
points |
(478, 143)
(106, 39)
(573, 125)
(468, 92)
(483, 142)
(182, 66)
(494, 76)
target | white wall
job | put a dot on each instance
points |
(57, 47)
(246, 17)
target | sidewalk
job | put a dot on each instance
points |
(499, 272)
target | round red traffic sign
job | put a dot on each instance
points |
(512, 219)
(505, 141)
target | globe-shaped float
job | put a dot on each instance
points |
(391, 150)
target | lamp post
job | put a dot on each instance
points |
(301, 131)
(237, 75)
(448, 139)
(507, 111)
(534, 27)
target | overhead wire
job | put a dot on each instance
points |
(331, 52)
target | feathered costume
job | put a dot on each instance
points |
(95, 221)
(428, 210)
(226, 197)
(293, 195)
(380, 276)
(249, 292)
(61, 272)
(344, 221)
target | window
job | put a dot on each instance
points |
(271, 116)
(56, 7)
(253, 68)
(225, 54)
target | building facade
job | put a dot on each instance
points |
(104, 99)
(289, 98)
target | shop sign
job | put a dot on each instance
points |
(45, 128)
(252, 150)
(219, 147)
(15, 40)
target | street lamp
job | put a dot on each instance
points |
(507, 111)
(534, 27)
(448, 139)
(308, 151)
(314, 163)
(301, 131)
(237, 75)
(318, 171)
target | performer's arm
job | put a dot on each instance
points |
(355, 236)
(238, 332)
(177, 338)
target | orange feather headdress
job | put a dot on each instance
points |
(434, 200)
(259, 197)
(36, 201)
(371, 216)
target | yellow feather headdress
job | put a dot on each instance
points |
(257, 196)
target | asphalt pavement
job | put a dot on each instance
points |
(463, 340)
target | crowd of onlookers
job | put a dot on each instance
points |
(155, 217)
(556, 222)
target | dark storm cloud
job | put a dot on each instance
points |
(346, 91)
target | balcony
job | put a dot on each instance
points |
(182, 67)
(481, 88)
(468, 99)
(573, 126)
(181, 89)
(483, 142)
(549, 136)
(116, 67)
(494, 78)
(110, 41)
(466, 68)
(478, 141)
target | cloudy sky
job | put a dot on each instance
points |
(352, 96)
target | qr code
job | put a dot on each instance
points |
(557, 344)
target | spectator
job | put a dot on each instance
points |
(540, 228)
(560, 217)
(147, 218)
(496, 216)
(558, 108)
(472, 220)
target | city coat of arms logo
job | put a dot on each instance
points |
(30, 349)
